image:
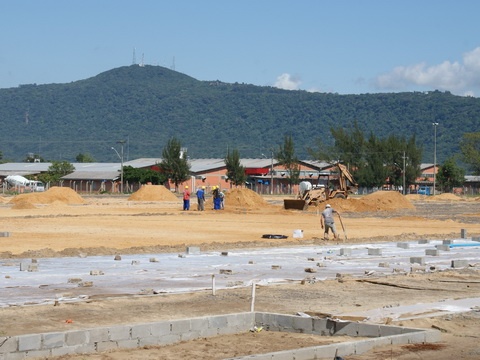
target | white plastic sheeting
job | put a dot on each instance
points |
(58, 278)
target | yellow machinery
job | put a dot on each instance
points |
(329, 186)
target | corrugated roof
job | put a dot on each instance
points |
(93, 175)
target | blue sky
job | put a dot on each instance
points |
(345, 47)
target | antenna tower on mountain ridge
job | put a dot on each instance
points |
(134, 60)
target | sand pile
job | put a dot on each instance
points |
(153, 193)
(387, 200)
(53, 195)
(377, 201)
(444, 197)
(3, 200)
(23, 204)
(244, 198)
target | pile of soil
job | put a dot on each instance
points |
(377, 201)
(153, 193)
(23, 204)
(444, 197)
(3, 200)
(244, 198)
(53, 195)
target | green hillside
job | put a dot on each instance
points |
(148, 105)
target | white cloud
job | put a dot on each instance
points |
(287, 82)
(458, 77)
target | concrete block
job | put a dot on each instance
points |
(476, 238)
(29, 342)
(345, 349)
(240, 322)
(463, 233)
(432, 252)
(326, 351)
(80, 337)
(180, 326)
(85, 349)
(346, 328)
(160, 329)
(116, 333)
(53, 340)
(96, 272)
(386, 330)
(168, 339)
(106, 346)
(88, 337)
(193, 250)
(303, 324)
(191, 335)
(368, 330)
(459, 263)
(282, 355)
(364, 346)
(320, 327)
(403, 245)
(209, 332)
(447, 242)
(13, 356)
(140, 331)
(128, 344)
(384, 265)
(62, 351)
(423, 241)
(9, 344)
(199, 324)
(38, 354)
(417, 260)
(32, 268)
(433, 336)
(4, 234)
(147, 341)
(443, 247)
(346, 252)
(283, 322)
(307, 353)
(374, 251)
(415, 337)
(217, 322)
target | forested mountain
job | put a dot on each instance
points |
(149, 105)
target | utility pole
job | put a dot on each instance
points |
(404, 173)
(435, 124)
(120, 156)
(271, 176)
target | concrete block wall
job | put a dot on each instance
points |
(122, 336)
(162, 333)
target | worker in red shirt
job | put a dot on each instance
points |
(186, 199)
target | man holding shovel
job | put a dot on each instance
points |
(327, 222)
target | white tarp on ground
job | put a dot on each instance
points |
(58, 278)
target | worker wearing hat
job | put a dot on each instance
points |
(186, 199)
(327, 222)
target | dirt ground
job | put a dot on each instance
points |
(61, 223)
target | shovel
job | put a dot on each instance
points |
(343, 227)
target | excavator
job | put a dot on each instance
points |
(328, 186)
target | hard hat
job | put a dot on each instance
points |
(186, 187)
(328, 205)
(203, 187)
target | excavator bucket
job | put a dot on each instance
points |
(296, 204)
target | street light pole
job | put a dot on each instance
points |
(121, 142)
(271, 176)
(404, 191)
(435, 124)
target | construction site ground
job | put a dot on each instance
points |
(60, 223)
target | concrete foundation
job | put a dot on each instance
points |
(93, 341)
